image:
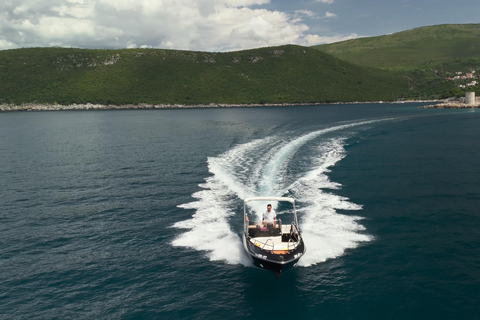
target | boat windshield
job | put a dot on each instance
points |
(283, 210)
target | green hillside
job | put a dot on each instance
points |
(426, 56)
(286, 74)
(447, 46)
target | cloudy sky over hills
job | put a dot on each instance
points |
(216, 25)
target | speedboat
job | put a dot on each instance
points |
(278, 246)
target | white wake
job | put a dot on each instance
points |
(264, 168)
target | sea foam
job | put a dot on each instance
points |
(261, 168)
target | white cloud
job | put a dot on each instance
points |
(311, 40)
(312, 15)
(329, 15)
(207, 25)
(4, 44)
(76, 9)
(307, 13)
(325, 1)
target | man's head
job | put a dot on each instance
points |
(269, 207)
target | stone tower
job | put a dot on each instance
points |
(470, 98)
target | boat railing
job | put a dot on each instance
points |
(269, 244)
(292, 244)
(265, 245)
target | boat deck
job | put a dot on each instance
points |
(279, 241)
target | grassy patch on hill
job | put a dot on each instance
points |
(443, 47)
(426, 56)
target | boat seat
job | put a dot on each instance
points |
(275, 243)
(286, 228)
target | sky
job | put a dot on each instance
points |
(216, 25)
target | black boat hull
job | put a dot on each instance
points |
(273, 266)
(274, 262)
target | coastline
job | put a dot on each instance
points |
(91, 106)
(451, 105)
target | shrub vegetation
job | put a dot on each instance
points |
(285, 74)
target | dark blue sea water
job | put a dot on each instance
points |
(138, 214)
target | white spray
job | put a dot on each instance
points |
(259, 168)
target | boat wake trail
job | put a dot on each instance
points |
(280, 165)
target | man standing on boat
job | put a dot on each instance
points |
(269, 216)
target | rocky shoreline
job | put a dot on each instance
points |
(451, 105)
(91, 106)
